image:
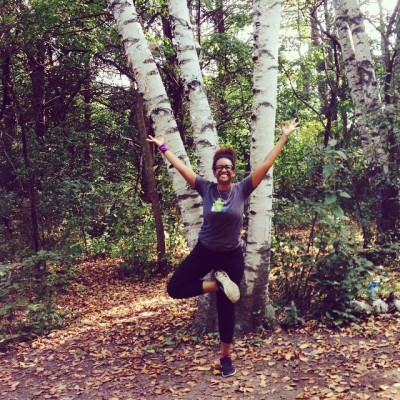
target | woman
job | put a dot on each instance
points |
(218, 247)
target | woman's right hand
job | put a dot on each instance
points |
(158, 139)
(175, 161)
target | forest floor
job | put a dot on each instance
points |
(128, 340)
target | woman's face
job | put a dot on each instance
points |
(224, 171)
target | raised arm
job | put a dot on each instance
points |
(261, 170)
(181, 167)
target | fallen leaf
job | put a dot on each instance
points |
(201, 368)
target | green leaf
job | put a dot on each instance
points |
(344, 194)
(332, 142)
(341, 154)
(337, 211)
(328, 170)
(330, 198)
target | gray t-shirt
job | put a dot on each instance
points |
(222, 221)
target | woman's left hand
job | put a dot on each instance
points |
(288, 127)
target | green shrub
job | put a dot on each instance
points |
(318, 266)
(27, 295)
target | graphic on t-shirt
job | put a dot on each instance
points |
(219, 206)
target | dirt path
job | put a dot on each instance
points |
(128, 340)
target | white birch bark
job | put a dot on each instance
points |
(362, 52)
(347, 47)
(266, 24)
(202, 122)
(158, 107)
(371, 117)
(363, 85)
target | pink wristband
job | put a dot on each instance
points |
(163, 148)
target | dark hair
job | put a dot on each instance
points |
(225, 152)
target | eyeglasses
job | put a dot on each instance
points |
(221, 167)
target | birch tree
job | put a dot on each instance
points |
(389, 56)
(158, 107)
(358, 63)
(266, 24)
(371, 118)
(202, 122)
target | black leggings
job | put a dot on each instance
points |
(186, 282)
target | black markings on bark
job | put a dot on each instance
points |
(171, 131)
(130, 41)
(351, 58)
(206, 127)
(264, 51)
(202, 142)
(357, 30)
(365, 70)
(160, 110)
(187, 47)
(130, 21)
(194, 84)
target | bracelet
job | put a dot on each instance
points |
(163, 148)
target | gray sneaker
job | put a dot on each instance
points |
(229, 287)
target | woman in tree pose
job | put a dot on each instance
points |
(219, 244)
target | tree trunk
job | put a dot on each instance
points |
(361, 76)
(31, 191)
(36, 59)
(328, 87)
(173, 86)
(150, 86)
(7, 115)
(371, 117)
(202, 122)
(151, 186)
(388, 56)
(87, 122)
(255, 297)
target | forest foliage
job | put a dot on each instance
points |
(72, 181)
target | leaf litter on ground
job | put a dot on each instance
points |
(128, 340)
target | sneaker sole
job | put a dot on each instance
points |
(228, 375)
(231, 290)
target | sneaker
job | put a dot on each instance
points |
(227, 368)
(229, 287)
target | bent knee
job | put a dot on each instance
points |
(173, 290)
